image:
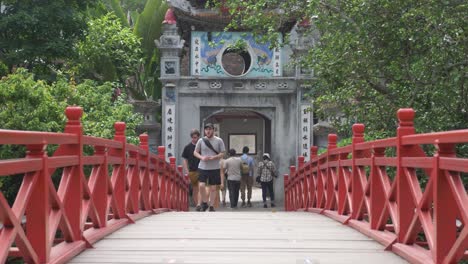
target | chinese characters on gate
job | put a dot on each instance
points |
(170, 130)
(196, 55)
(305, 132)
(277, 62)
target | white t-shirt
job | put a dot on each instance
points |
(232, 165)
(218, 145)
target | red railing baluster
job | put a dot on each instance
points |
(118, 173)
(404, 197)
(301, 181)
(38, 229)
(354, 185)
(163, 177)
(172, 176)
(144, 173)
(445, 207)
(61, 222)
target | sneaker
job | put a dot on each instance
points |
(273, 205)
(198, 208)
(224, 203)
(243, 204)
(249, 204)
(204, 207)
(211, 209)
(265, 206)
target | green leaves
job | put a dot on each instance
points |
(40, 32)
(374, 57)
(27, 104)
(110, 52)
(33, 105)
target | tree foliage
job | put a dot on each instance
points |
(148, 27)
(374, 57)
(34, 105)
(146, 17)
(109, 52)
(40, 34)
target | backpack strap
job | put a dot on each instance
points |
(208, 144)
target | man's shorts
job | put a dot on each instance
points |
(193, 176)
(211, 177)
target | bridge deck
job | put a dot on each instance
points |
(237, 237)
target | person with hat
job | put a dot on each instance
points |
(267, 171)
(209, 150)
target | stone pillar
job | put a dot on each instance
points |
(170, 44)
(150, 126)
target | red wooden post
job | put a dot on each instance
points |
(300, 161)
(292, 173)
(357, 181)
(330, 180)
(180, 194)
(144, 173)
(154, 183)
(163, 175)
(312, 184)
(445, 207)
(118, 173)
(378, 197)
(133, 184)
(98, 185)
(71, 184)
(302, 181)
(404, 196)
(186, 192)
(37, 223)
(286, 192)
(172, 178)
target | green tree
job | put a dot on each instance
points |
(109, 52)
(146, 17)
(34, 105)
(40, 34)
(148, 27)
(374, 57)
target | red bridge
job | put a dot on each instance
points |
(373, 187)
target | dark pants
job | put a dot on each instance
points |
(234, 187)
(268, 186)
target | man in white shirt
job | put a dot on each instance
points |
(210, 150)
(232, 167)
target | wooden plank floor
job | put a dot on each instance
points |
(240, 236)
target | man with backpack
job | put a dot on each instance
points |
(209, 150)
(247, 173)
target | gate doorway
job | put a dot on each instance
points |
(240, 127)
(244, 127)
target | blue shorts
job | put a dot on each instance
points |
(211, 177)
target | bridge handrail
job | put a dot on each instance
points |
(16, 137)
(98, 194)
(375, 187)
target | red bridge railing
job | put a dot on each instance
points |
(378, 188)
(125, 183)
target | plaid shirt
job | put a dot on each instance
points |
(266, 170)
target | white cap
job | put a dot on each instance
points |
(266, 155)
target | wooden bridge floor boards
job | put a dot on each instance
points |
(237, 237)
